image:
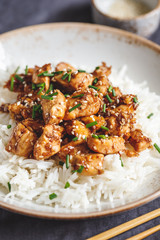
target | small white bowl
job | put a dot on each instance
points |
(143, 25)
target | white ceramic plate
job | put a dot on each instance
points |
(83, 45)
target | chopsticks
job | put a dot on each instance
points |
(129, 225)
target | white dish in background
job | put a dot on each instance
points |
(84, 45)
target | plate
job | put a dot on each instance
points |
(84, 45)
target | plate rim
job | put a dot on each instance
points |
(132, 38)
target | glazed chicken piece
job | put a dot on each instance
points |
(92, 163)
(54, 110)
(74, 80)
(109, 145)
(99, 119)
(41, 79)
(34, 125)
(49, 142)
(102, 83)
(139, 141)
(80, 155)
(23, 108)
(62, 66)
(88, 104)
(22, 141)
(78, 129)
(102, 70)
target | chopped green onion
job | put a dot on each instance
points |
(48, 74)
(58, 72)
(105, 128)
(64, 76)
(66, 95)
(82, 71)
(61, 163)
(135, 100)
(108, 98)
(50, 89)
(113, 93)
(33, 86)
(19, 78)
(26, 70)
(49, 97)
(110, 89)
(102, 136)
(40, 85)
(76, 106)
(77, 96)
(104, 107)
(67, 161)
(79, 170)
(97, 68)
(96, 94)
(94, 87)
(157, 147)
(35, 108)
(67, 185)
(91, 124)
(52, 196)
(95, 136)
(9, 186)
(95, 80)
(42, 74)
(17, 69)
(150, 115)
(69, 70)
(12, 84)
(9, 126)
(69, 77)
(42, 88)
(122, 165)
(75, 139)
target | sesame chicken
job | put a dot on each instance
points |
(68, 113)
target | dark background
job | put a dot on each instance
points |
(19, 13)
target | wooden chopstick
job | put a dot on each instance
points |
(126, 226)
(145, 234)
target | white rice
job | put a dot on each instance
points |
(32, 181)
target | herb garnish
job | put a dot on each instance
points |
(12, 84)
(77, 96)
(42, 74)
(26, 70)
(19, 78)
(67, 161)
(35, 108)
(52, 196)
(75, 139)
(17, 69)
(105, 128)
(110, 89)
(150, 115)
(95, 81)
(157, 147)
(67, 185)
(91, 124)
(104, 107)
(76, 106)
(9, 186)
(79, 170)
(113, 93)
(97, 68)
(135, 100)
(94, 87)
(108, 98)
(82, 71)
(9, 126)
(122, 165)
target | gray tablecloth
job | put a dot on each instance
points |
(19, 13)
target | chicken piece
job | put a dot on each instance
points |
(41, 79)
(54, 110)
(78, 129)
(102, 83)
(102, 70)
(99, 119)
(109, 145)
(22, 141)
(86, 105)
(73, 149)
(77, 81)
(139, 141)
(49, 142)
(34, 125)
(23, 108)
(25, 85)
(62, 66)
(92, 163)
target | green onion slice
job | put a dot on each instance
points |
(42, 74)
(64, 76)
(104, 107)
(26, 70)
(95, 81)
(110, 89)
(91, 124)
(19, 78)
(79, 170)
(76, 106)
(12, 84)
(122, 165)
(97, 68)
(78, 96)
(52, 196)
(67, 185)
(17, 69)
(135, 100)
(108, 98)
(95, 136)
(150, 115)
(75, 139)
(113, 93)
(9, 186)
(157, 147)
(82, 71)
(67, 161)
(9, 126)
(94, 87)
(105, 128)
